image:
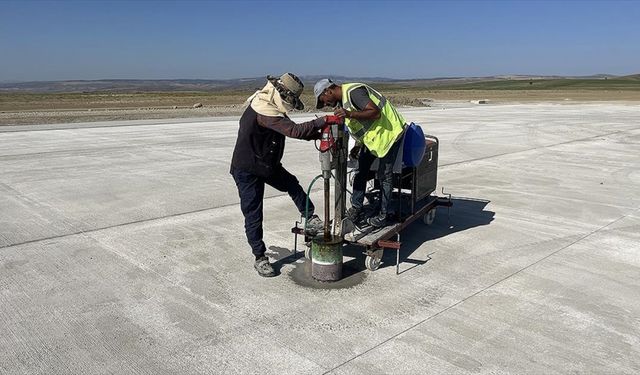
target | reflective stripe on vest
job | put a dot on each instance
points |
(377, 135)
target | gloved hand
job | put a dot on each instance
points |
(355, 152)
(320, 128)
(331, 119)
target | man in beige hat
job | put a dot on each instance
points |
(264, 125)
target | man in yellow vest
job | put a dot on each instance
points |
(376, 125)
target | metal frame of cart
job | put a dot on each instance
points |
(413, 189)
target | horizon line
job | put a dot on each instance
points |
(321, 75)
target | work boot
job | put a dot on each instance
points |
(314, 225)
(378, 221)
(354, 214)
(264, 268)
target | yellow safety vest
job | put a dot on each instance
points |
(377, 135)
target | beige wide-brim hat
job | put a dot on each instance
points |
(290, 88)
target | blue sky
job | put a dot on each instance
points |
(59, 40)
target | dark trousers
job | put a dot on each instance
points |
(251, 191)
(384, 174)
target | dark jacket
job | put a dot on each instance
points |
(260, 144)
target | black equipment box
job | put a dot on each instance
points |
(423, 179)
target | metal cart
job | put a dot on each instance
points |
(413, 198)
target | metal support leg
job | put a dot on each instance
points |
(386, 244)
(448, 207)
(296, 230)
(399, 182)
(398, 256)
(295, 246)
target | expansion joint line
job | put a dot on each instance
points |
(152, 219)
(479, 292)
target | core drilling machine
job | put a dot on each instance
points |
(413, 200)
(326, 248)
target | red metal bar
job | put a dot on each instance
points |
(389, 244)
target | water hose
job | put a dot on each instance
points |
(306, 209)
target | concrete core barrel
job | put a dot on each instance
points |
(326, 258)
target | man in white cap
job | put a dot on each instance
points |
(258, 152)
(376, 125)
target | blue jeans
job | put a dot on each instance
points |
(384, 174)
(251, 191)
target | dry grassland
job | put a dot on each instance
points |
(21, 108)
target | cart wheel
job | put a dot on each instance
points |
(373, 261)
(429, 217)
(307, 252)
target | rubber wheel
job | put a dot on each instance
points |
(372, 263)
(429, 217)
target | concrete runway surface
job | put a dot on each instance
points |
(122, 251)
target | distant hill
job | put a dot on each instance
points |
(126, 85)
(625, 83)
(140, 85)
(246, 84)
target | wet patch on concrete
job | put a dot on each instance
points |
(351, 275)
(353, 270)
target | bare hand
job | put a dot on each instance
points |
(341, 112)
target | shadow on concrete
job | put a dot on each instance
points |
(466, 213)
(282, 257)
